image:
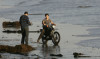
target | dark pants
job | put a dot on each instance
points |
(25, 33)
(43, 31)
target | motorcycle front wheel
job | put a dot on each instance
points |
(56, 38)
(44, 40)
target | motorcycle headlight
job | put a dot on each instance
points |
(53, 26)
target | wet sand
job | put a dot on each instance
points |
(67, 46)
(81, 38)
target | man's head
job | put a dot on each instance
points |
(47, 16)
(25, 13)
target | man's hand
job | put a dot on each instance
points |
(31, 23)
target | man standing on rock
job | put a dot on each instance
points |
(24, 22)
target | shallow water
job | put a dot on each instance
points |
(62, 11)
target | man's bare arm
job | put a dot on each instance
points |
(53, 23)
(44, 23)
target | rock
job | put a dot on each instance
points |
(24, 48)
(18, 49)
(79, 55)
(84, 6)
(14, 24)
(18, 31)
(59, 55)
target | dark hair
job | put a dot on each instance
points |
(25, 12)
(46, 14)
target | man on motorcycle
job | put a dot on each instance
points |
(46, 24)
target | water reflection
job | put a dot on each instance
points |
(47, 50)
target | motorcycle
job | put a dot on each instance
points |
(51, 34)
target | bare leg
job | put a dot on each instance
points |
(41, 34)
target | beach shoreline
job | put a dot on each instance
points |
(67, 46)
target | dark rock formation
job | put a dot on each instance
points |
(79, 55)
(19, 31)
(18, 49)
(84, 6)
(14, 24)
(59, 55)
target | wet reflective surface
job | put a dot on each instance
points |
(47, 50)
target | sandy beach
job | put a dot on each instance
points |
(67, 46)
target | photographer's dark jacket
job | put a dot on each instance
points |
(24, 21)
